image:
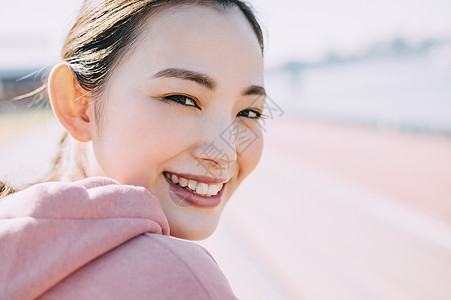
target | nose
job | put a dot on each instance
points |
(214, 155)
(214, 149)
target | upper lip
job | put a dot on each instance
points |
(200, 178)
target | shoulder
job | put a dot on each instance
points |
(51, 199)
(148, 266)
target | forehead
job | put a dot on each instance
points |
(204, 39)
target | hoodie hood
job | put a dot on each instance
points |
(49, 230)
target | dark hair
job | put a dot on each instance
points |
(113, 28)
(103, 33)
(5, 190)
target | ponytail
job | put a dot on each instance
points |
(67, 166)
(6, 190)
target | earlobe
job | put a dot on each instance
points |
(70, 102)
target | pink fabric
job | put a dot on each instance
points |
(97, 239)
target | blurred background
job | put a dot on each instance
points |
(352, 199)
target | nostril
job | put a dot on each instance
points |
(215, 156)
(218, 164)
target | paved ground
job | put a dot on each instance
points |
(410, 168)
(332, 212)
(338, 212)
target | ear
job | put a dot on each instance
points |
(70, 102)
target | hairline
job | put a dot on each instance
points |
(138, 35)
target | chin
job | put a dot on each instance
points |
(194, 236)
(194, 231)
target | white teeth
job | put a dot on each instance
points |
(201, 188)
(192, 185)
(213, 189)
(183, 182)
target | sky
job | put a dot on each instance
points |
(32, 32)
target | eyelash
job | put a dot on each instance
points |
(258, 115)
(181, 99)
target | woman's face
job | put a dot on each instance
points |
(180, 115)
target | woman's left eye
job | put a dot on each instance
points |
(250, 113)
(183, 100)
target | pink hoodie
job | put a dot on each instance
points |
(97, 239)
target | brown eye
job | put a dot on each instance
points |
(181, 99)
(250, 113)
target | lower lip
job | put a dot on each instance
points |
(194, 199)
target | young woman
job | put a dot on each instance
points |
(162, 101)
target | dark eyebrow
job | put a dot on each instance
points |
(255, 90)
(197, 77)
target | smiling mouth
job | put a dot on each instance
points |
(196, 187)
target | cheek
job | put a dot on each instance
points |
(133, 144)
(250, 154)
